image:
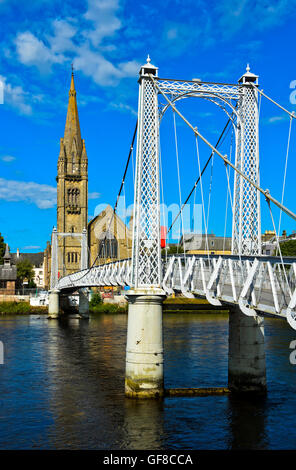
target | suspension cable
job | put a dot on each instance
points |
(285, 173)
(198, 179)
(227, 197)
(291, 114)
(266, 192)
(202, 197)
(179, 180)
(278, 247)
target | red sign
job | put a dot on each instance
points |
(163, 234)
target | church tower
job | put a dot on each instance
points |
(72, 194)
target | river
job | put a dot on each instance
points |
(62, 387)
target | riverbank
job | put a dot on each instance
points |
(172, 305)
(21, 308)
(24, 308)
(182, 304)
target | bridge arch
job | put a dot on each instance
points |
(215, 98)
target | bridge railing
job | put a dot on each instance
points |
(115, 273)
(263, 283)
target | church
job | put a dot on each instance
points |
(109, 239)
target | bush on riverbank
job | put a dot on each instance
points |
(108, 308)
(21, 308)
(96, 299)
(184, 300)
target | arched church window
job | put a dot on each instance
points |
(108, 246)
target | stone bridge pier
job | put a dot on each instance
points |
(58, 303)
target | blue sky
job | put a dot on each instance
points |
(107, 41)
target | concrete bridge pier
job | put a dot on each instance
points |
(246, 360)
(84, 303)
(144, 349)
(54, 303)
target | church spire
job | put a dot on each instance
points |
(72, 135)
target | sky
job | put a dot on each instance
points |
(107, 41)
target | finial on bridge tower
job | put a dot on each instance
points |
(248, 77)
(148, 68)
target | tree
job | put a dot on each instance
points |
(95, 300)
(2, 248)
(25, 271)
(288, 248)
(172, 250)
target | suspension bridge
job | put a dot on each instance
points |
(250, 284)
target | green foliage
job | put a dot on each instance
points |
(25, 271)
(95, 300)
(21, 308)
(31, 284)
(108, 308)
(288, 248)
(2, 248)
(172, 250)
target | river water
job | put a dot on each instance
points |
(62, 387)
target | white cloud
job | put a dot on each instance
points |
(7, 158)
(124, 107)
(62, 40)
(31, 247)
(101, 70)
(233, 15)
(274, 119)
(43, 195)
(103, 16)
(17, 97)
(94, 195)
(88, 46)
(33, 51)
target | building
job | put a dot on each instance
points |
(197, 244)
(37, 261)
(72, 191)
(8, 274)
(269, 241)
(72, 207)
(109, 238)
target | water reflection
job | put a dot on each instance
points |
(143, 424)
(62, 386)
(247, 421)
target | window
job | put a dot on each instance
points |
(72, 257)
(108, 246)
(73, 196)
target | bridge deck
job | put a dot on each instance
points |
(263, 284)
